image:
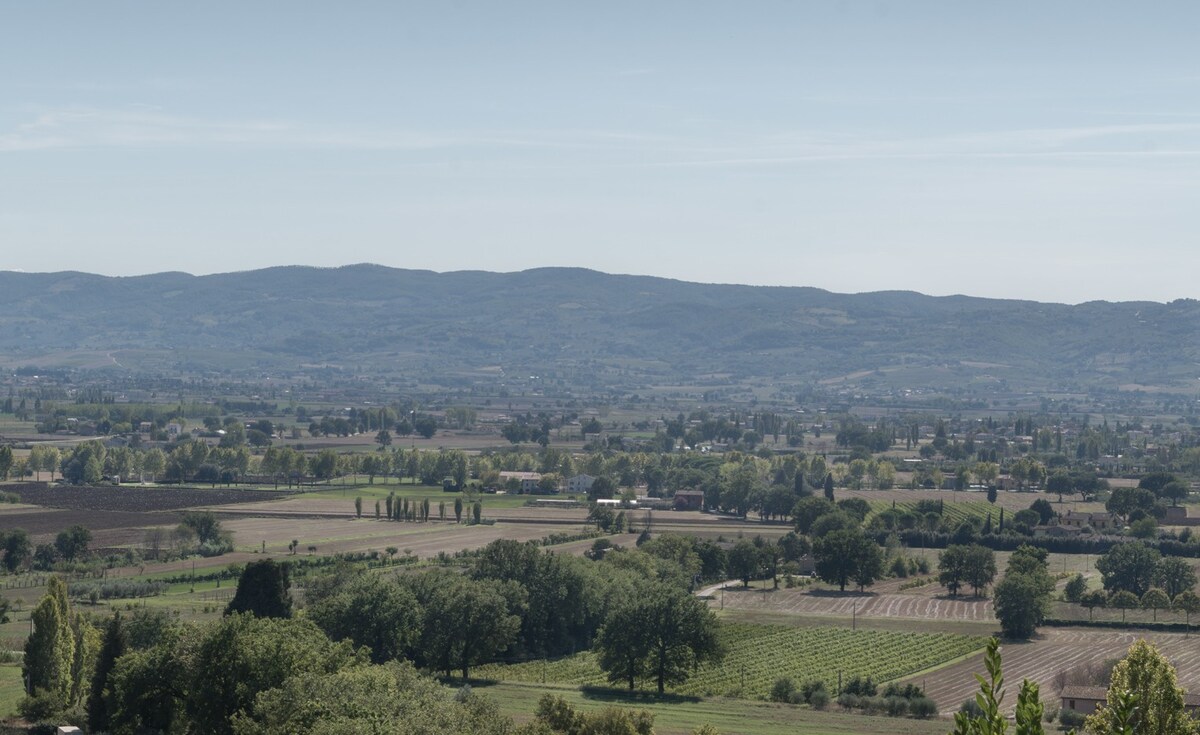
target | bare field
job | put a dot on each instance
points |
(876, 603)
(108, 527)
(1057, 650)
(334, 535)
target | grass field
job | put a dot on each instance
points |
(760, 654)
(11, 688)
(682, 715)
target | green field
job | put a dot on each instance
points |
(682, 715)
(760, 654)
(11, 689)
(954, 512)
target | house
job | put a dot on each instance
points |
(1086, 700)
(579, 484)
(689, 499)
(174, 429)
(1098, 521)
(528, 481)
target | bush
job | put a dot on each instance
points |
(784, 690)
(819, 699)
(849, 701)
(895, 706)
(971, 708)
(922, 707)
(1070, 718)
(860, 686)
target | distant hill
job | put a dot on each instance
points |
(584, 323)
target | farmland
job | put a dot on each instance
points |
(683, 715)
(1058, 650)
(760, 654)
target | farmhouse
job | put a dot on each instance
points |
(1098, 521)
(579, 484)
(1086, 700)
(528, 481)
(689, 499)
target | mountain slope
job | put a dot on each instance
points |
(551, 317)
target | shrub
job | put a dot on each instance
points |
(922, 707)
(895, 706)
(971, 708)
(819, 699)
(849, 701)
(860, 686)
(1070, 718)
(784, 690)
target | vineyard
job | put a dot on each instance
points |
(760, 654)
(954, 512)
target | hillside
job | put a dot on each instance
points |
(581, 323)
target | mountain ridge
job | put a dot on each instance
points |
(572, 317)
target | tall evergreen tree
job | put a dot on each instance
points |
(116, 642)
(263, 590)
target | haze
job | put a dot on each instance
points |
(1030, 150)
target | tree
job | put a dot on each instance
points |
(59, 655)
(829, 487)
(980, 567)
(17, 548)
(1174, 575)
(324, 465)
(744, 561)
(1129, 566)
(466, 621)
(1176, 492)
(845, 555)
(114, 645)
(1074, 589)
(952, 570)
(458, 509)
(807, 510)
(1123, 600)
(1044, 510)
(262, 590)
(1188, 603)
(425, 425)
(1022, 598)
(358, 507)
(1060, 484)
(374, 612)
(383, 438)
(50, 648)
(1145, 674)
(6, 461)
(394, 698)
(1155, 600)
(227, 664)
(1092, 600)
(73, 542)
(662, 631)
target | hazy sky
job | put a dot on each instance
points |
(1042, 150)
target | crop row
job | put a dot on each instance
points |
(758, 655)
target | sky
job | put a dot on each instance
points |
(1034, 150)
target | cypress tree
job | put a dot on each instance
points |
(116, 642)
(50, 649)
